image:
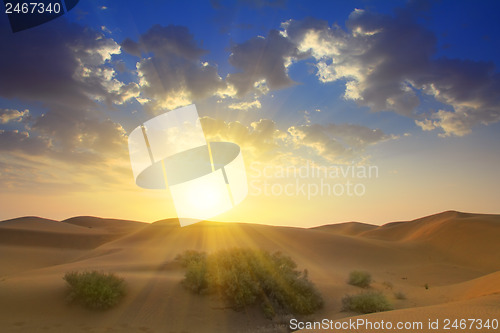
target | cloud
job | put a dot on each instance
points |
(426, 124)
(171, 71)
(73, 132)
(59, 62)
(46, 175)
(471, 88)
(336, 143)
(65, 68)
(245, 106)
(388, 61)
(8, 115)
(262, 59)
(96, 74)
(22, 141)
(263, 141)
(70, 140)
(377, 56)
(167, 41)
(77, 156)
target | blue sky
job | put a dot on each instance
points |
(412, 87)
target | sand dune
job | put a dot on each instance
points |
(456, 255)
(483, 286)
(468, 239)
(37, 224)
(114, 226)
(347, 228)
(38, 232)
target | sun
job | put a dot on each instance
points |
(203, 197)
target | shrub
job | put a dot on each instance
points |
(360, 279)
(388, 284)
(189, 257)
(243, 277)
(399, 295)
(195, 278)
(366, 302)
(95, 290)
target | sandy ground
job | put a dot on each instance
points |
(456, 254)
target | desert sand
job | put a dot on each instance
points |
(457, 255)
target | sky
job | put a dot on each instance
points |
(371, 111)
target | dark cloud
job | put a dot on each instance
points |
(171, 70)
(39, 65)
(65, 68)
(69, 136)
(72, 131)
(171, 40)
(387, 61)
(11, 141)
(56, 63)
(262, 59)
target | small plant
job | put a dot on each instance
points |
(426, 286)
(367, 302)
(388, 285)
(95, 290)
(400, 295)
(360, 279)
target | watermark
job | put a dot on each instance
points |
(310, 180)
(28, 14)
(355, 324)
(352, 325)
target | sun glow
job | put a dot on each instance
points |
(205, 196)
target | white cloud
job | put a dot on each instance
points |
(452, 123)
(426, 124)
(8, 115)
(245, 106)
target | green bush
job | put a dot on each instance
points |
(366, 302)
(243, 277)
(94, 290)
(195, 278)
(360, 279)
(190, 256)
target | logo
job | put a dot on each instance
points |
(205, 178)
